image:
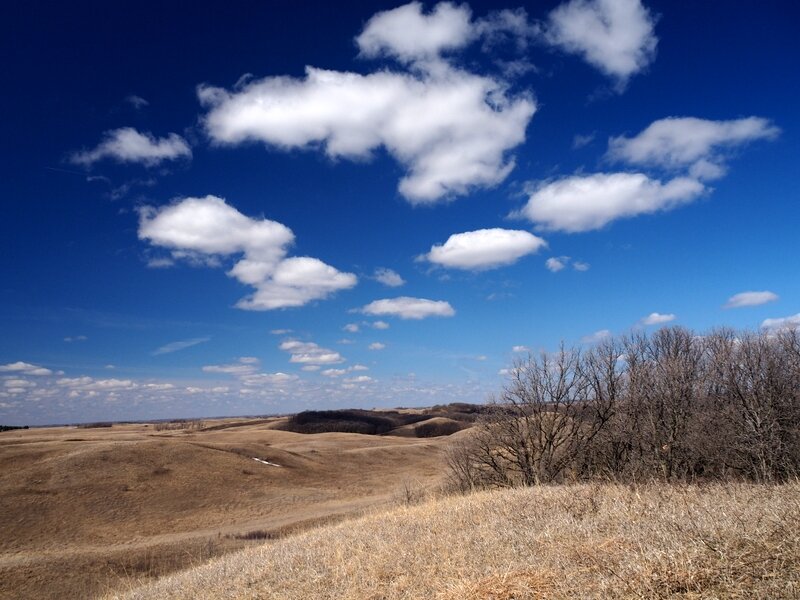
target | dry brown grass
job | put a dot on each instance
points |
(83, 510)
(579, 541)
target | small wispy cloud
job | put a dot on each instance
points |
(179, 345)
(556, 263)
(597, 336)
(136, 102)
(388, 277)
(559, 263)
(580, 141)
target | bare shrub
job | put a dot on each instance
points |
(180, 425)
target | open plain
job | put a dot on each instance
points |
(84, 511)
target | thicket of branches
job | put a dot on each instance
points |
(670, 406)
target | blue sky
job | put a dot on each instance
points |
(266, 207)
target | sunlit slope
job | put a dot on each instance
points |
(582, 541)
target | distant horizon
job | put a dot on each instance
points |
(274, 208)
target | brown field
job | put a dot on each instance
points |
(183, 511)
(84, 511)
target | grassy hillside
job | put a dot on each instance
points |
(580, 541)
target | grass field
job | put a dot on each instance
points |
(85, 510)
(570, 541)
(138, 511)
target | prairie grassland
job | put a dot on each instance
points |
(572, 541)
(82, 510)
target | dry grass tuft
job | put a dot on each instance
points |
(505, 586)
(580, 541)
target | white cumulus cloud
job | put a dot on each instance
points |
(484, 248)
(204, 229)
(699, 145)
(377, 346)
(248, 372)
(452, 130)
(333, 372)
(657, 319)
(309, 353)
(750, 299)
(556, 263)
(615, 36)
(128, 145)
(24, 369)
(407, 34)
(406, 307)
(792, 322)
(586, 202)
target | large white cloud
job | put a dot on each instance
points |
(695, 148)
(407, 34)
(743, 299)
(409, 308)
(451, 129)
(128, 145)
(484, 248)
(587, 202)
(295, 282)
(209, 228)
(688, 142)
(615, 36)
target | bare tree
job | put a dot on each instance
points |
(546, 417)
(670, 405)
(665, 374)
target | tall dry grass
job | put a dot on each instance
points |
(725, 540)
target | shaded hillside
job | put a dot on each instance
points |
(432, 422)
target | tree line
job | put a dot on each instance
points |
(671, 406)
